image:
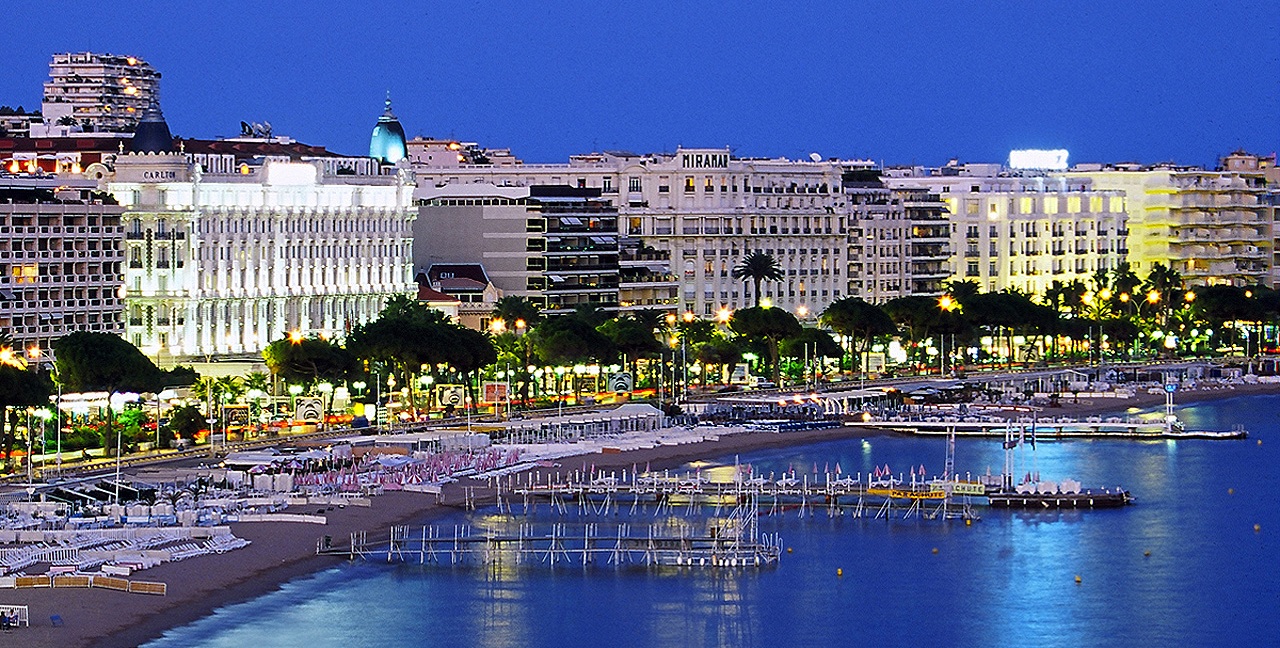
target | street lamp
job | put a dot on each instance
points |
(294, 391)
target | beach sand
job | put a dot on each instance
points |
(283, 551)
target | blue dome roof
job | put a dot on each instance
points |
(388, 142)
(152, 134)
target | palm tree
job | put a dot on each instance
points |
(758, 267)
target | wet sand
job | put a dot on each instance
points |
(283, 551)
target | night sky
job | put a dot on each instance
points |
(900, 82)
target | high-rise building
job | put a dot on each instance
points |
(101, 92)
(231, 244)
(1023, 230)
(1213, 227)
(60, 260)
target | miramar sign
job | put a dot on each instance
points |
(717, 160)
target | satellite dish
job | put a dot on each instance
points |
(815, 157)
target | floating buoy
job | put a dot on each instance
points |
(1231, 491)
(935, 550)
(839, 572)
(1078, 579)
(1257, 528)
(968, 522)
(788, 549)
(1259, 441)
(1147, 553)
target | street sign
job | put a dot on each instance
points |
(237, 415)
(1171, 387)
(621, 382)
(495, 392)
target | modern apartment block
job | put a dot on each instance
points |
(1012, 229)
(101, 92)
(554, 245)
(898, 239)
(61, 260)
(231, 244)
(1213, 227)
(686, 219)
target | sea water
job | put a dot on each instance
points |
(1006, 579)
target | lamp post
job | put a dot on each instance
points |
(44, 415)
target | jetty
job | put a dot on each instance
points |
(731, 542)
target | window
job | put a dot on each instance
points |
(633, 184)
(688, 184)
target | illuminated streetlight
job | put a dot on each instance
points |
(723, 315)
(295, 336)
(802, 311)
(497, 326)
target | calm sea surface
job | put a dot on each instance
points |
(1008, 579)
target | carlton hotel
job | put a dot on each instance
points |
(232, 244)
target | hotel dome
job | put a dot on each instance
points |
(388, 143)
(152, 134)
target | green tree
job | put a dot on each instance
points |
(19, 388)
(304, 360)
(513, 309)
(184, 423)
(633, 338)
(88, 361)
(769, 324)
(758, 267)
(859, 321)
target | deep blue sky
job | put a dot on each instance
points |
(897, 81)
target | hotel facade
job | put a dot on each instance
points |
(684, 220)
(225, 253)
(1023, 231)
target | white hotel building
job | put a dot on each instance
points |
(704, 210)
(225, 253)
(1024, 230)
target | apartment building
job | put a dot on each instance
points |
(61, 260)
(687, 218)
(557, 246)
(1213, 227)
(101, 92)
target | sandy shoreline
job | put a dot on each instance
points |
(281, 552)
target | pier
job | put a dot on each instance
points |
(730, 542)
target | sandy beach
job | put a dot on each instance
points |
(282, 551)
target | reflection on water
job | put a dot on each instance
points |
(1009, 579)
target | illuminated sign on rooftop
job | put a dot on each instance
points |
(1039, 159)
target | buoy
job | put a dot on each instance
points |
(1147, 553)
(1078, 579)
(1259, 441)
(1231, 491)
(935, 550)
(968, 522)
(839, 572)
(788, 549)
(1257, 528)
